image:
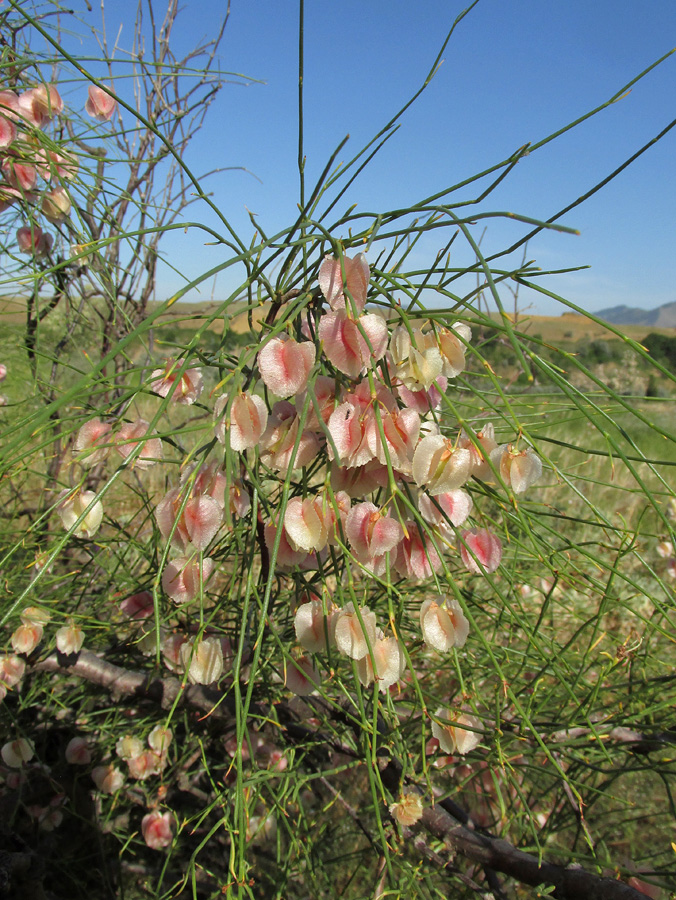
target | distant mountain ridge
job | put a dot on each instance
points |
(661, 317)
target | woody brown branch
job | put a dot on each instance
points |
(570, 883)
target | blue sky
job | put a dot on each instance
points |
(512, 73)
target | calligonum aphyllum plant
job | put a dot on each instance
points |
(356, 465)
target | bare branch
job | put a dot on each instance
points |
(570, 883)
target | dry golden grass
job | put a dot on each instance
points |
(193, 315)
(12, 310)
(568, 326)
(573, 327)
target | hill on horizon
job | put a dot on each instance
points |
(662, 316)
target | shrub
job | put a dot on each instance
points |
(662, 348)
(272, 601)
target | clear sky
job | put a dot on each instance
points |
(512, 73)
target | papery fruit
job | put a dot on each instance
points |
(480, 451)
(645, 888)
(519, 469)
(313, 627)
(31, 239)
(261, 828)
(408, 810)
(12, 669)
(285, 365)
(440, 467)
(33, 615)
(354, 631)
(193, 521)
(145, 765)
(184, 388)
(156, 828)
(56, 166)
(181, 578)
(665, 549)
(56, 205)
(160, 739)
(279, 440)
(301, 677)
(238, 496)
(335, 515)
(324, 389)
(8, 196)
(16, 753)
(72, 505)
(481, 550)
(89, 440)
(146, 641)
(443, 625)
(453, 506)
(454, 737)
(359, 481)
(171, 651)
(248, 420)
(7, 131)
(203, 660)
(417, 557)
(400, 429)
(69, 639)
(10, 107)
(39, 104)
(385, 663)
(353, 345)
(49, 817)
(78, 752)
(305, 524)
(138, 606)
(100, 105)
(208, 480)
(26, 638)
(350, 422)
(278, 761)
(287, 555)
(21, 176)
(370, 532)
(415, 358)
(347, 427)
(108, 779)
(452, 345)
(423, 400)
(355, 282)
(129, 747)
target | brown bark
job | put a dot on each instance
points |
(488, 851)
